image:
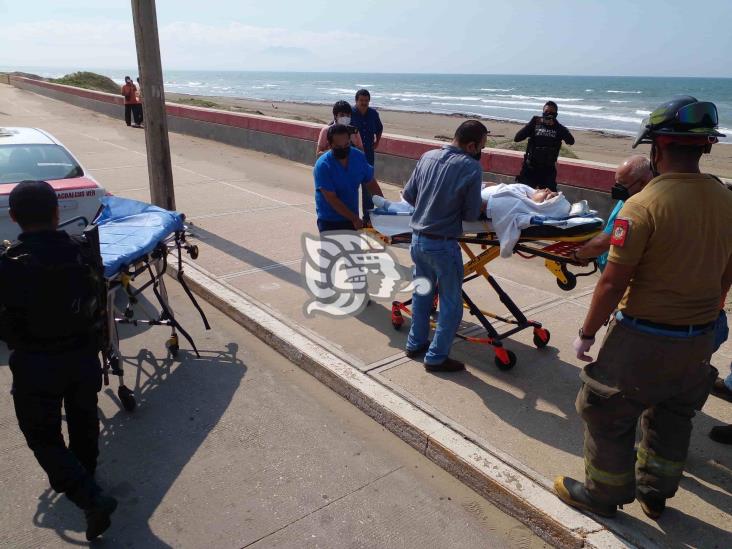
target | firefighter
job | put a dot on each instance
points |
(670, 262)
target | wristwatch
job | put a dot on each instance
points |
(583, 335)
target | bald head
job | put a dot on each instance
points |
(634, 173)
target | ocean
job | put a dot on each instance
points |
(600, 103)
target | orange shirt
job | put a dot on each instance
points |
(130, 93)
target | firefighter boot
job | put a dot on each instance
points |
(574, 494)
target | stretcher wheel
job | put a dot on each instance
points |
(541, 337)
(172, 345)
(127, 398)
(397, 320)
(193, 252)
(571, 281)
(505, 359)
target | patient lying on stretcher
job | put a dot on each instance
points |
(509, 207)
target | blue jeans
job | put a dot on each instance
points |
(441, 262)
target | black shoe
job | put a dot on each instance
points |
(97, 516)
(448, 365)
(575, 494)
(414, 353)
(653, 506)
(721, 434)
(720, 390)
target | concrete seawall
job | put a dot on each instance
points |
(295, 140)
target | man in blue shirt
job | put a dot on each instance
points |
(369, 125)
(630, 178)
(445, 191)
(339, 174)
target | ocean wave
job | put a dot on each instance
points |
(530, 104)
(195, 84)
(618, 101)
(589, 90)
(365, 85)
(624, 91)
(496, 89)
(433, 96)
(334, 91)
(539, 98)
(643, 113)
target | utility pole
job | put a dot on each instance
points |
(159, 167)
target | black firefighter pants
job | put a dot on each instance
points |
(661, 381)
(41, 382)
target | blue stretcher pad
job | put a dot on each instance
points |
(129, 230)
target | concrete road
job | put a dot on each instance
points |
(240, 448)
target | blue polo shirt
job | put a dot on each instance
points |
(369, 126)
(602, 260)
(330, 175)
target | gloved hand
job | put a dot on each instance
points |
(581, 346)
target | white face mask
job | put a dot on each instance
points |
(345, 120)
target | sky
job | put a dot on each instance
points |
(567, 37)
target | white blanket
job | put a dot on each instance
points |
(510, 208)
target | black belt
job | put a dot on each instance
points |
(669, 327)
(432, 236)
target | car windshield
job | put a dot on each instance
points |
(38, 162)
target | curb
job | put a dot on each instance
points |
(505, 486)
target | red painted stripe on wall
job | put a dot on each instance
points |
(498, 161)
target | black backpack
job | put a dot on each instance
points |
(54, 305)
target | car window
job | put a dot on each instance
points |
(39, 162)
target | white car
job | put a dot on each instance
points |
(30, 153)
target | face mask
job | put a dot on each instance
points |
(618, 192)
(341, 152)
(345, 120)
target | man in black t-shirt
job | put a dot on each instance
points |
(545, 136)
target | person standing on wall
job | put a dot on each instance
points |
(669, 265)
(370, 128)
(129, 91)
(545, 135)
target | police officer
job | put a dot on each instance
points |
(670, 262)
(49, 309)
(545, 135)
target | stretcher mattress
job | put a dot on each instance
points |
(392, 224)
(129, 230)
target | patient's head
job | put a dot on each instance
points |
(634, 174)
(542, 195)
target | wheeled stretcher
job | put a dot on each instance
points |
(135, 241)
(552, 240)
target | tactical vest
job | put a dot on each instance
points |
(56, 306)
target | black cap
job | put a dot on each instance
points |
(33, 203)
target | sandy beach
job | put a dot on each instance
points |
(590, 145)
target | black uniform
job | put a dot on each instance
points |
(50, 318)
(540, 161)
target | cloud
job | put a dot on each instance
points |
(184, 45)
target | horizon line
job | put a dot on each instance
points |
(375, 73)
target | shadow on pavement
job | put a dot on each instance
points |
(143, 453)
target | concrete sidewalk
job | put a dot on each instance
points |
(249, 210)
(240, 448)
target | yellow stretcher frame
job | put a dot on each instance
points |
(557, 252)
